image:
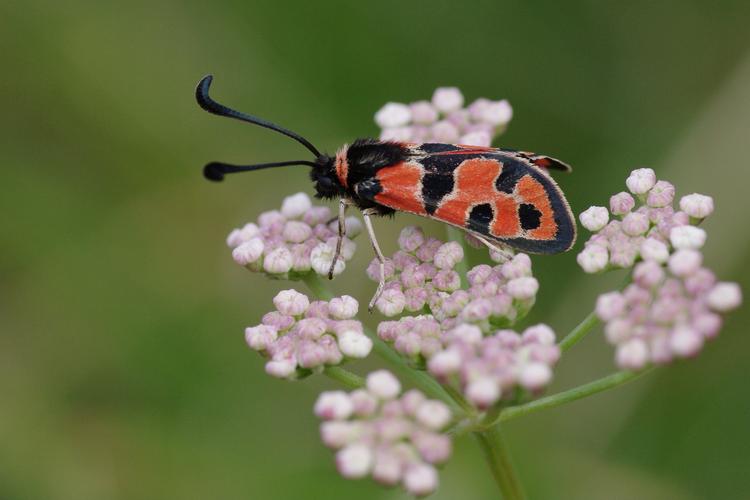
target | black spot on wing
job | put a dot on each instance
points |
(511, 173)
(529, 216)
(480, 218)
(435, 187)
(438, 181)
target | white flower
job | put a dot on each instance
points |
(291, 302)
(497, 113)
(344, 307)
(655, 250)
(594, 218)
(483, 391)
(535, 376)
(333, 405)
(687, 237)
(354, 344)
(641, 180)
(278, 261)
(248, 252)
(447, 99)
(393, 114)
(433, 414)
(321, 258)
(696, 205)
(420, 479)
(354, 461)
(383, 384)
(725, 296)
(295, 206)
(593, 258)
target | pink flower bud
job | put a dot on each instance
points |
(387, 468)
(447, 99)
(641, 180)
(444, 363)
(535, 376)
(391, 302)
(354, 344)
(632, 355)
(447, 280)
(655, 250)
(538, 334)
(296, 231)
(291, 302)
(383, 384)
(423, 113)
(278, 261)
(635, 224)
(310, 354)
(278, 321)
(471, 334)
(725, 296)
(621, 203)
(411, 238)
(497, 113)
(518, 267)
(248, 252)
(697, 206)
(445, 131)
(594, 218)
(593, 258)
(295, 206)
(687, 237)
(311, 328)
(373, 269)
(685, 342)
(260, 337)
(483, 392)
(239, 236)
(281, 368)
(272, 218)
(416, 298)
(333, 405)
(433, 414)
(321, 258)
(337, 433)
(610, 305)
(434, 448)
(420, 479)
(354, 461)
(476, 138)
(661, 195)
(523, 288)
(648, 274)
(344, 307)
(683, 263)
(393, 114)
(365, 404)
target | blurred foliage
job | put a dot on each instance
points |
(123, 371)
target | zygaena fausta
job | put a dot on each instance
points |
(500, 196)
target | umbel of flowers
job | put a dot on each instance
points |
(377, 431)
(674, 303)
(302, 336)
(290, 243)
(445, 119)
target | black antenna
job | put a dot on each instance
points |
(215, 170)
(205, 102)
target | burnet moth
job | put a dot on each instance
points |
(500, 196)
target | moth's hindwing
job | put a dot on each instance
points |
(502, 195)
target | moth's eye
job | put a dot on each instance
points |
(325, 182)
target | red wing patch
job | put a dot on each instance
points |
(401, 186)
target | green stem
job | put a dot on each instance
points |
(580, 331)
(498, 458)
(561, 398)
(428, 385)
(347, 378)
(317, 287)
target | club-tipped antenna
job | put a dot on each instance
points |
(215, 171)
(205, 102)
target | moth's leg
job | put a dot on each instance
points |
(505, 252)
(343, 203)
(368, 224)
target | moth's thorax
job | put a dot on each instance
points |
(341, 165)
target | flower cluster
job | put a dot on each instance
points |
(395, 439)
(444, 119)
(294, 241)
(674, 303)
(421, 276)
(301, 336)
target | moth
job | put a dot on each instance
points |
(503, 197)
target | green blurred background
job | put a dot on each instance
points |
(123, 369)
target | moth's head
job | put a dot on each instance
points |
(325, 179)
